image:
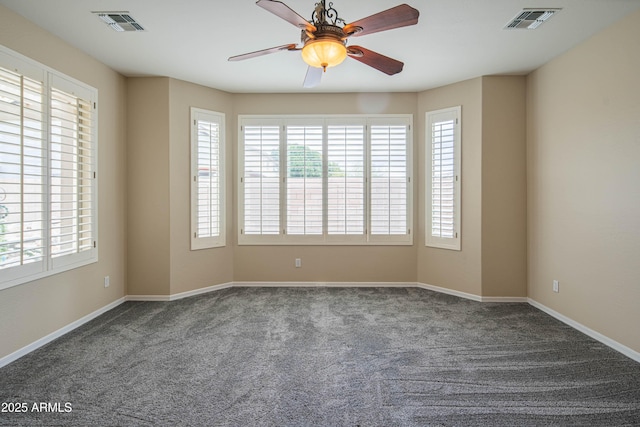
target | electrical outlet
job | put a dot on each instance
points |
(107, 281)
(298, 263)
(556, 286)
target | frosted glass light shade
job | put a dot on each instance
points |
(324, 53)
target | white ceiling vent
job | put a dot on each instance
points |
(120, 21)
(530, 19)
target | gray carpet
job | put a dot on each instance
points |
(324, 357)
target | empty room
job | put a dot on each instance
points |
(302, 212)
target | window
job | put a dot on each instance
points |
(304, 179)
(325, 180)
(389, 189)
(207, 183)
(443, 179)
(48, 191)
(346, 179)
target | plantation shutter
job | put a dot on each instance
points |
(72, 226)
(48, 199)
(207, 169)
(304, 183)
(443, 179)
(345, 180)
(261, 180)
(318, 180)
(22, 169)
(389, 180)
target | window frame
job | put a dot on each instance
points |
(51, 263)
(213, 241)
(366, 238)
(440, 116)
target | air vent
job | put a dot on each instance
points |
(120, 21)
(530, 19)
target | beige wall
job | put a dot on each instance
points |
(457, 270)
(206, 267)
(161, 261)
(504, 187)
(33, 310)
(148, 218)
(325, 263)
(583, 161)
(492, 259)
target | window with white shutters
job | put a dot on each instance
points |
(346, 180)
(207, 179)
(325, 180)
(71, 174)
(389, 180)
(48, 191)
(260, 180)
(443, 179)
(22, 168)
(304, 205)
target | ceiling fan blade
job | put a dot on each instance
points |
(263, 52)
(373, 59)
(396, 17)
(313, 77)
(285, 12)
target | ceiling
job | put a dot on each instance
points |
(191, 40)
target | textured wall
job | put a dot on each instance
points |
(583, 199)
(456, 270)
(33, 310)
(326, 263)
(196, 269)
(504, 187)
(148, 218)
(583, 185)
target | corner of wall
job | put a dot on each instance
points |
(148, 185)
(504, 228)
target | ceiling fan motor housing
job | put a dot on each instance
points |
(328, 41)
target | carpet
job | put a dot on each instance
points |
(322, 357)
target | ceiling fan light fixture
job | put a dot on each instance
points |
(323, 53)
(324, 37)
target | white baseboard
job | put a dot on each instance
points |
(56, 334)
(629, 352)
(466, 295)
(200, 291)
(148, 298)
(180, 295)
(280, 284)
(325, 284)
(447, 291)
(504, 299)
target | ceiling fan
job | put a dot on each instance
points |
(324, 38)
